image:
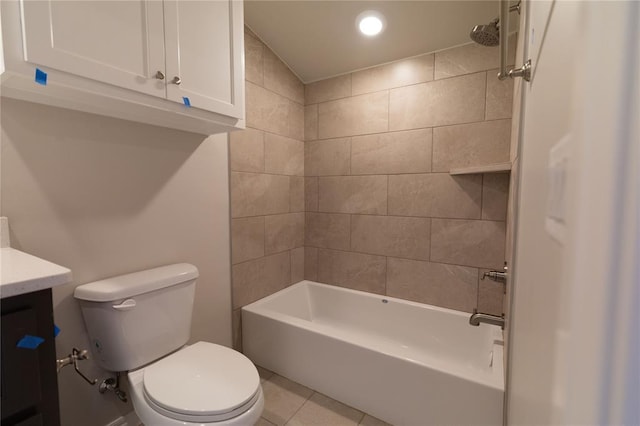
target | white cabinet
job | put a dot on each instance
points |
(173, 63)
(115, 42)
(201, 54)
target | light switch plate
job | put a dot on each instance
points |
(555, 222)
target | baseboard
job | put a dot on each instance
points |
(128, 420)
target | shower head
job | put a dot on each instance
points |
(486, 35)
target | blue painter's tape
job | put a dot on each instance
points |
(41, 77)
(186, 101)
(30, 342)
(56, 330)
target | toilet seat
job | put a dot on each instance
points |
(201, 383)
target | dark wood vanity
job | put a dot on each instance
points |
(29, 384)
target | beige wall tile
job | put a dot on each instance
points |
(495, 190)
(276, 195)
(490, 295)
(322, 410)
(279, 78)
(283, 232)
(296, 194)
(254, 194)
(435, 195)
(499, 97)
(254, 59)
(476, 243)
(396, 74)
(283, 155)
(406, 237)
(327, 230)
(353, 194)
(296, 121)
(329, 89)
(236, 327)
(327, 157)
(282, 399)
(247, 239)
(297, 264)
(470, 58)
(357, 115)
(388, 153)
(266, 110)
(311, 263)
(311, 122)
(473, 144)
(247, 194)
(449, 286)
(255, 279)
(311, 194)
(438, 103)
(246, 150)
(352, 270)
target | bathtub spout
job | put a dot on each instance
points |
(476, 318)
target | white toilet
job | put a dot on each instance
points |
(140, 323)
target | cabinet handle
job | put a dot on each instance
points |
(176, 80)
(160, 75)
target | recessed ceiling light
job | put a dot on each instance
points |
(370, 23)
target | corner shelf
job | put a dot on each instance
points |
(489, 168)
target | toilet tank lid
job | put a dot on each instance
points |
(123, 286)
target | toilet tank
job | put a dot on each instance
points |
(134, 319)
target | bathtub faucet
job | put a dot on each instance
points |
(476, 318)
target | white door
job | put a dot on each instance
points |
(114, 42)
(205, 55)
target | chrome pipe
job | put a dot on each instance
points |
(504, 39)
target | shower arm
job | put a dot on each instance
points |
(525, 70)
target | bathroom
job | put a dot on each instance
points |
(397, 170)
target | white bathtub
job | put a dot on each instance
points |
(403, 362)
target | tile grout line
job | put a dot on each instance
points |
(396, 215)
(450, 77)
(403, 258)
(300, 408)
(408, 129)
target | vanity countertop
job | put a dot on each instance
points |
(23, 273)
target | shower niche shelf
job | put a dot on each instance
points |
(489, 168)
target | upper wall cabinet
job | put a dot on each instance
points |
(172, 63)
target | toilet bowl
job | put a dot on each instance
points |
(202, 384)
(140, 323)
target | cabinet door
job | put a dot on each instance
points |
(204, 48)
(115, 42)
(21, 388)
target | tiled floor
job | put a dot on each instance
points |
(289, 403)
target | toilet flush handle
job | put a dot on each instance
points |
(127, 305)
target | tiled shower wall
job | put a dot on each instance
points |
(267, 182)
(383, 214)
(368, 194)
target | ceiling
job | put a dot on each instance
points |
(319, 39)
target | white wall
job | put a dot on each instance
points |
(104, 197)
(574, 337)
